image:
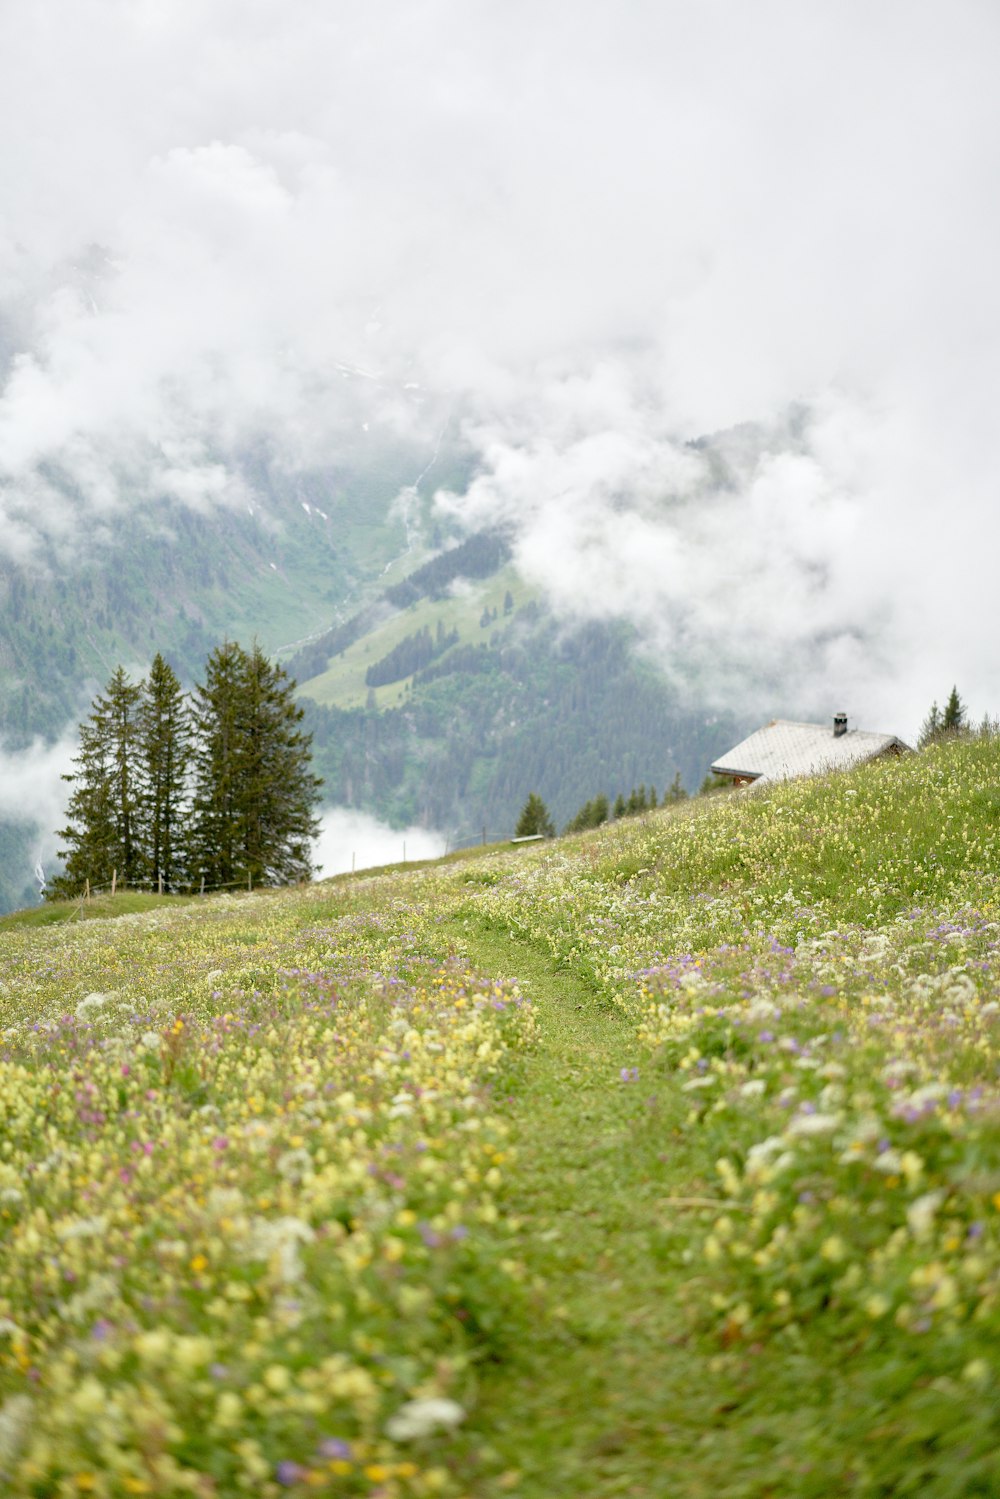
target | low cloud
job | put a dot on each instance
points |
(351, 840)
(34, 795)
(592, 238)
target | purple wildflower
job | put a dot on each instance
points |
(333, 1447)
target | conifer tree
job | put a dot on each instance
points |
(213, 845)
(590, 815)
(953, 720)
(949, 724)
(164, 743)
(254, 793)
(102, 835)
(534, 819)
(278, 790)
(930, 729)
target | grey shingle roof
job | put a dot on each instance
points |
(783, 749)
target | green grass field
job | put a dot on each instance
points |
(342, 685)
(663, 1160)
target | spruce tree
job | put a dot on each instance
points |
(103, 833)
(278, 790)
(164, 743)
(214, 842)
(930, 729)
(254, 792)
(89, 855)
(590, 815)
(953, 720)
(534, 819)
(950, 724)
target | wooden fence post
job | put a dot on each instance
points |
(114, 882)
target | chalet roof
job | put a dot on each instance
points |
(783, 749)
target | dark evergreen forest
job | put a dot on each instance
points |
(569, 716)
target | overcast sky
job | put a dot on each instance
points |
(592, 231)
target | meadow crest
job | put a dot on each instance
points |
(255, 1172)
(248, 1156)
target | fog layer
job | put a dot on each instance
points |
(592, 234)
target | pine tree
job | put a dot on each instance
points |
(930, 729)
(102, 835)
(590, 815)
(950, 724)
(278, 791)
(214, 842)
(954, 718)
(254, 793)
(534, 819)
(164, 744)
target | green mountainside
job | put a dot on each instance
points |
(532, 707)
(662, 1159)
(438, 689)
(179, 580)
(455, 694)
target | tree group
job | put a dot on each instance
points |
(173, 792)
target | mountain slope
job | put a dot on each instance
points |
(672, 1149)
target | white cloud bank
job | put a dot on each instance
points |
(354, 840)
(33, 793)
(592, 232)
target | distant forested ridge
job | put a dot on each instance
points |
(479, 556)
(564, 714)
(411, 654)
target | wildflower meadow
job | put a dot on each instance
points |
(664, 1159)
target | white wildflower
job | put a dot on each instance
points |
(754, 1088)
(81, 1228)
(277, 1241)
(419, 1418)
(15, 1423)
(813, 1124)
(921, 1212)
(295, 1165)
(91, 1003)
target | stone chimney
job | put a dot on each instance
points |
(839, 724)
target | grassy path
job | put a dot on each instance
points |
(600, 1398)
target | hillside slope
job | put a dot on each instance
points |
(672, 1149)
